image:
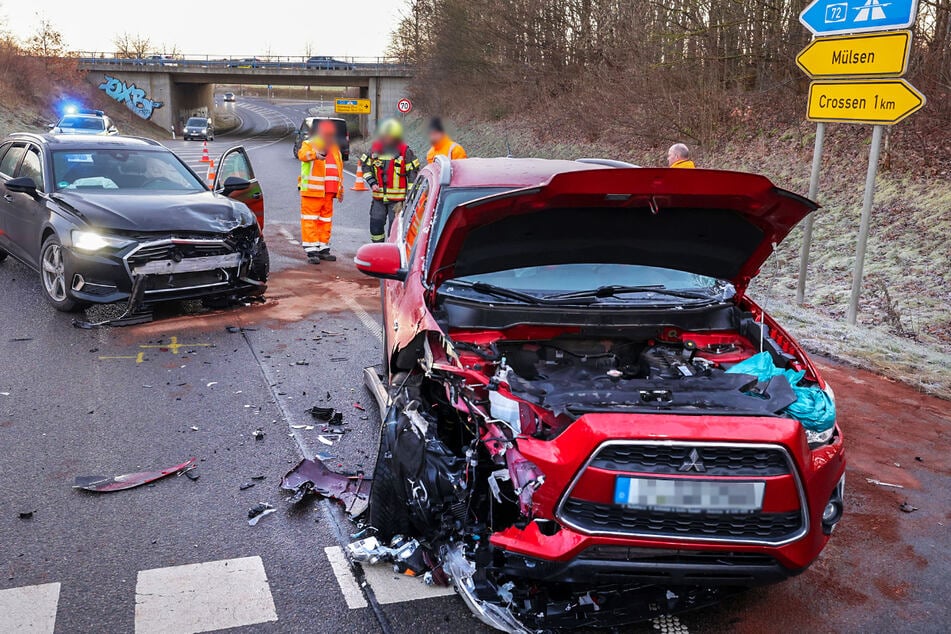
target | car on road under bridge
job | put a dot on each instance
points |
(110, 219)
(588, 420)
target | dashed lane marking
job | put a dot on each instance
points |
(203, 597)
(365, 318)
(29, 608)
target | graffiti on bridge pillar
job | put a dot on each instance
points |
(129, 94)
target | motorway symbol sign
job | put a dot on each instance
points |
(404, 105)
(869, 55)
(878, 102)
(831, 17)
(352, 106)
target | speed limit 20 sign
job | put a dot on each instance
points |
(404, 105)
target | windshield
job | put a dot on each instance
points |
(601, 282)
(122, 170)
(196, 122)
(82, 123)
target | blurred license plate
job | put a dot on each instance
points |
(688, 495)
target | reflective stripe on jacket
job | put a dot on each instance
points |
(333, 172)
(391, 169)
(446, 147)
(312, 168)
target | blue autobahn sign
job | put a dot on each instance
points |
(830, 17)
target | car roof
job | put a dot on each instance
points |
(87, 141)
(511, 172)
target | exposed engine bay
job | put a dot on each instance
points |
(450, 475)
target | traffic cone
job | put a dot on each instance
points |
(211, 172)
(359, 185)
(204, 153)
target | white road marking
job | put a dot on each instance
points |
(345, 579)
(29, 608)
(392, 587)
(203, 597)
(388, 586)
(365, 318)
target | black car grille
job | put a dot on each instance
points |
(675, 557)
(158, 252)
(716, 461)
(600, 518)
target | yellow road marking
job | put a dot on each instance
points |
(173, 346)
(139, 358)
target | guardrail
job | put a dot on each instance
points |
(325, 63)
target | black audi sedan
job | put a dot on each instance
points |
(110, 219)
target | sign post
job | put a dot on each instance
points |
(857, 83)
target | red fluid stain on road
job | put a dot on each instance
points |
(883, 570)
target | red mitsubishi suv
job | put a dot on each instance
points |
(590, 422)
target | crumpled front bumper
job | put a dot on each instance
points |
(560, 549)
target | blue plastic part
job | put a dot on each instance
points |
(814, 409)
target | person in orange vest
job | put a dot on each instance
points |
(441, 143)
(321, 171)
(679, 156)
(390, 167)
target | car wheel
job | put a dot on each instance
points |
(388, 513)
(53, 276)
(3, 255)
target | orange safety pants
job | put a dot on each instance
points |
(316, 221)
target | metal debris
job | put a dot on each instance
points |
(405, 554)
(259, 511)
(245, 486)
(313, 476)
(884, 484)
(106, 484)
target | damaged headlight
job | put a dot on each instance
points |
(93, 241)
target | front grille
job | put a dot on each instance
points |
(675, 557)
(600, 518)
(158, 252)
(668, 459)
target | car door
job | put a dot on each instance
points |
(29, 214)
(10, 206)
(235, 162)
(398, 314)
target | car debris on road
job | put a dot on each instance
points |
(314, 477)
(258, 512)
(107, 484)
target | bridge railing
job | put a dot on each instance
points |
(253, 62)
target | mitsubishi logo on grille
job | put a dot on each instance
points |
(693, 462)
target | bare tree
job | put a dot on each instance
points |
(46, 41)
(133, 46)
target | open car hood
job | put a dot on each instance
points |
(710, 222)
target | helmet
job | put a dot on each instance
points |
(391, 128)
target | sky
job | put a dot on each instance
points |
(236, 28)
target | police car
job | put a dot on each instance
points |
(85, 122)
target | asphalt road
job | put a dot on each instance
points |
(179, 555)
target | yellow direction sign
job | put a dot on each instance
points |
(878, 102)
(352, 106)
(872, 55)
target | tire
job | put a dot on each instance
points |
(3, 255)
(53, 276)
(388, 512)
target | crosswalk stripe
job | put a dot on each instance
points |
(203, 597)
(348, 584)
(29, 608)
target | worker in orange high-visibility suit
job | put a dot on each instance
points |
(321, 170)
(441, 143)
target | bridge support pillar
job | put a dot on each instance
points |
(383, 93)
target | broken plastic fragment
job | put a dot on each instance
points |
(245, 486)
(258, 434)
(258, 511)
(106, 484)
(405, 554)
(313, 476)
(321, 413)
(907, 508)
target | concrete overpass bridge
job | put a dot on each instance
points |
(168, 89)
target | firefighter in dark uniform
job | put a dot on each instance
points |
(390, 167)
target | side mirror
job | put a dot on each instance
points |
(234, 184)
(51, 126)
(380, 259)
(113, 130)
(22, 185)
